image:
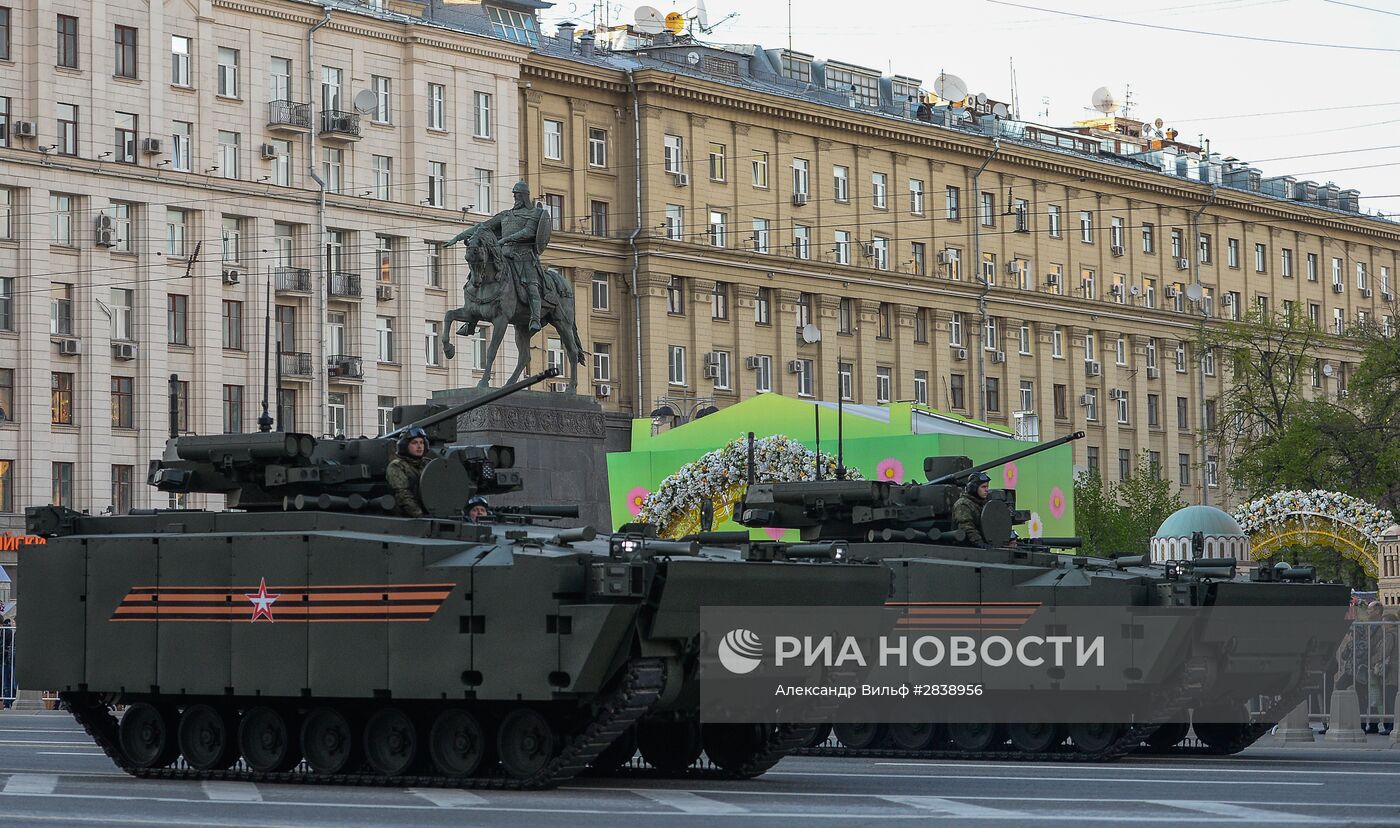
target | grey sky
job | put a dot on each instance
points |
(1198, 84)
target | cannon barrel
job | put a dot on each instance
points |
(1058, 543)
(719, 538)
(538, 511)
(991, 464)
(485, 399)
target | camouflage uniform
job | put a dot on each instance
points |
(402, 474)
(967, 516)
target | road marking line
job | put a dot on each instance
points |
(41, 742)
(31, 783)
(689, 803)
(1100, 767)
(450, 799)
(953, 808)
(1234, 812)
(231, 791)
(955, 776)
(97, 753)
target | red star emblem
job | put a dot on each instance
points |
(262, 601)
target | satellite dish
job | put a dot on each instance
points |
(950, 87)
(675, 22)
(1327, 369)
(981, 98)
(365, 101)
(693, 58)
(1104, 101)
(649, 20)
(1194, 292)
(811, 334)
(1000, 110)
(1159, 123)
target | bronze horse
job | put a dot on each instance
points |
(490, 298)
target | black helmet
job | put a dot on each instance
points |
(409, 436)
(477, 500)
(976, 480)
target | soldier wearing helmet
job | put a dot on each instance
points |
(478, 509)
(405, 470)
(967, 512)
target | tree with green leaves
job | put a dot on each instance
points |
(1120, 518)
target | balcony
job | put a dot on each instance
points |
(340, 126)
(289, 116)
(295, 365)
(291, 280)
(342, 368)
(345, 285)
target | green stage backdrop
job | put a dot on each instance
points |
(883, 442)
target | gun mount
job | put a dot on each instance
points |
(283, 471)
(871, 511)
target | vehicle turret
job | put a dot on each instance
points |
(869, 510)
(284, 471)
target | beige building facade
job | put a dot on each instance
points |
(763, 211)
(161, 167)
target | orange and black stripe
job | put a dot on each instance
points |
(964, 615)
(353, 602)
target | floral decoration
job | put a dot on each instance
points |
(635, 499)
(1057, 503)
(1035, 527)
(1280, 507)
(1009, 473)
(774, 532)
(721, 476)
(890, 470)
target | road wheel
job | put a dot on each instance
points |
(819, 736)
(525, 743)
(208, 738)
(670, 747)
(1168, 735)
(975, 736)
(915, 735)
(147, 735)
(328, 740)
(457, 743)
(1221, 735)
(267, 741)
(391, 741)
(1094, 737)
(859, 735)
(1034, 737)
(731, 746)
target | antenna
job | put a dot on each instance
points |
(1127, 100)
(1103, 100)
(648, 19)
(840, 426)
(1015, 93)
(265, 420)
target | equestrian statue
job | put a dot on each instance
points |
(509, 285)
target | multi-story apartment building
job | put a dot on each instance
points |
(165, 164)
(716, 202)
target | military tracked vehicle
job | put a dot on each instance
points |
(308, 634)
(910, 529)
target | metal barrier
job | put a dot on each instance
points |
(8, 688)
(1368, 661)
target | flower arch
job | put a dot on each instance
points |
(1348, 524)
(721, 476)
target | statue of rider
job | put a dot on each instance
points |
(523, 231)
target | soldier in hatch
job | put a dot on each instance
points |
(405, 470)
(967, 512)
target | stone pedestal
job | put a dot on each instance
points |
(559, 448)
(1344, 718)
(28, 700)
(1295, 727)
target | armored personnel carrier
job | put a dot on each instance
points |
(909, 528)
(307, 633)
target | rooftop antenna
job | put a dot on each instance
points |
(840, 426)
(1044, 113)
(1015, 95)
(1104, 101)
(1127, 101)
(789, 26)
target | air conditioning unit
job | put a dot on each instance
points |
(1153, 372)
(103, 221)
(1052, 279)
(124, 350)
(1135, 290)
(26, 129)
(998, 357)
(152, 146)
(1013, 268)
(945, 257)
(1336, 287)
(384, 293)
(960, 354)
(1116, 250)
(1365, 293)
(1183, 263)
(1385, 296)
(752, 363)
(1170, 292)
(1086, 399)
(105, 238)
(1116, 290)
(602, 389)
(800, 199)
(712, 357)
(268, 151)
(70, 347)
(1228, 299)
(794, 366)
(1117, 394)
(1343, 394)
(232, 275)
(867, 250)
(681, 179)
(711, 372)
(1093, 368)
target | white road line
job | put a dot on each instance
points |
(949, 807)
(231, 791)
(1103, 767)
(42, 742)
(689, 803)
(31, 783)
(69, 731)
(97, 753)
(449, 798)
(958, 776)
(1235, 813)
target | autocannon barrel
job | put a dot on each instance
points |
(485, 399)
(1058, 543)
(1000, 461)
(243, 447)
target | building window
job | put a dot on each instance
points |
(602, 362)
(228, 72)
(675, 296)
(719, 369)
(384, 338)
(7, 199)
(1086, 226)
(67, 41)
(437, 106)
(7, 484)
(1261, 258)
(762, 306)
(598, 217)
(1091, 458)
(1120, 350)
(1232, 252)
(554, 203)
(61, 224)
(233, 409)
(990, 339)
(1057, 342)
(1024, 339)
(553, 140)
(281, 80)
(845, 316)
(918, 258)
(63, 485)
(437, 186)
(1203, 244)
(61, 398)
(519, 27)
(383, 102)
(231, 239)
(1361, 281)
(673, 154)
(759, 164)
(7, 303)
(120, 213)
(602, 293)
(883, 385)
(61, 309)
(1149, 242)
(806, 378)
(952, 199)
(676, 365)
(431, 332)
(957, 391)
(177, 319)
(123, 402)
(1125, 464)
(434, 250)
(1090, 402)
(763, 373)
(228, 156)
(181, 146)
(337, 405)
(125, 38)
(841, 183)
(993, 393)
(597, 147)
(719, 301)
(1052, 216)
(233, 325)
(921, 387)
(717, 153)
(760, 235)
(916, 196)
(719, 233)
(383, 170)
(175, 232)
(5, 31)
(880, 248)
(1060, 394)
(801, 177)
(987, 209)
(955, 329)
(879, 183)
(802, 241)
(384, 412)
(67, 136)
(482, 114)
(843, 247)
(484, 198)
(1153, 414)
(1183, 469)
(804, 310)
(884, 320)
(1212, 471)
(124, 146)
(1027, 401)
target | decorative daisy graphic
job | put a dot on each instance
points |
(890, 470)
(635, 499)
(1057, 503)
(1035, 527)
(1009, 473)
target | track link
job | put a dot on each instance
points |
(636, 691)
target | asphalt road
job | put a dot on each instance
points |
(51, 775)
